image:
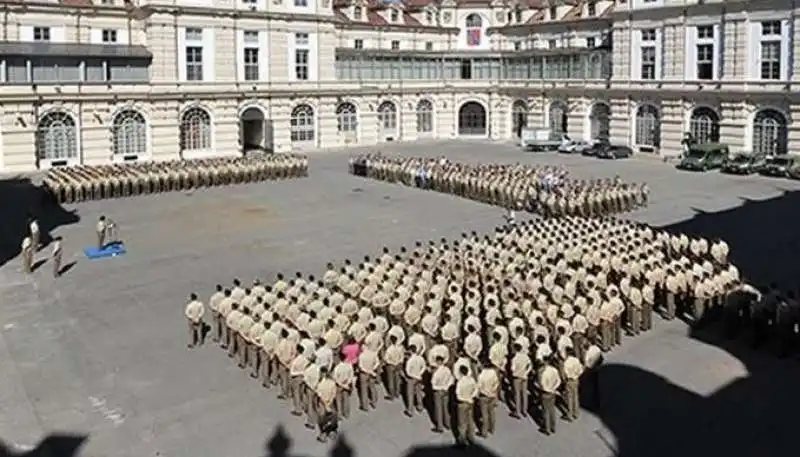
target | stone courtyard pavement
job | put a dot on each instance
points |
(102, 351)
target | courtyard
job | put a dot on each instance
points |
(102, 350)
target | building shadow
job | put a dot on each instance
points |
(54, 445)
(649, 415)
(21, 199)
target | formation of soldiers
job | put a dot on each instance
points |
(542, 189)
(82, 183)
(521, 317)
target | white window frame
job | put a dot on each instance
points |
(129, 135)
(204, 41)
(301, 3)
(302, 44)
(424, 114)
(358, 43)
(59, 132)
(302, 124)
(395, 45)
(347, 118)
(199, 142)
(42, 34)
(109, 36)
(693, 43)
(757, 38)
(638, 45)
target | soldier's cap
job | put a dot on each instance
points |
(192, 296)
(219, 288)
(227, 292)
(279, 276)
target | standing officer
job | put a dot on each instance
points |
(521, 367)
(35, 234)
(326, 394)
(393, 356)
(489, 388)
(100, 229)
(297, 370)
(572, 369)
(415, 369)
(466, 392)
(194, 313)
(548, 383)
(213, 304)
(441, 382)
(368, 367)
(344, 377)
(56, 257)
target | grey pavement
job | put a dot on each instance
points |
(102, 350)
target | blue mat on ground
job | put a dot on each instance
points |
(110, 250)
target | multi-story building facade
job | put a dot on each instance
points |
(99, 81)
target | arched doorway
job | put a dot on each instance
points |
(558, 117)
(387, 121)
(472, 119)
(196, 133)
(129, 135)
(347, 122)
(648, 127)
(255, 131)
(770, 133)
(704, 125)
(519, 117)
(56, 140)
(600, 122)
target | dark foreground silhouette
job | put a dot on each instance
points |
(648, 415)
(21, 199)
(54, 445)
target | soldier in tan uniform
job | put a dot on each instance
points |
(232, 325)
(326, 393)
(571, 368)
(225, 307)
(194, 313)
(521, 367)
(394, 358)
(369, 364)
(344, 376)
(415, 369)
(297, 369)
(311, 378)
(593, 359)
(441, 382)
(489, 388)
(27, 255)
(285, 353)
(466, 392)
(548, 383)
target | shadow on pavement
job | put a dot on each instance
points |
(54, 445)
(648, 415)
(21, 199)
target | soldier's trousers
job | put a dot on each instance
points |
(233, 342)
(466, 421)
(592, 334)
(27, 260)
(101, 239)
(297, 387)
(669, 306)
(548, 413)
(216, 319)
(617, 331)
(647, 316)
(242, 350)
(414, 396)
(698, 310)
(605, 335)
(285, 381)
(441, 410)
(57, 265)
(310, 406)
(195, 333)
(392, 382)
(521, 396)
(487, 410)
(254, 357)
(578, 343)
(571, 399)
(343, 403)
(635, 320)
(268, 369)
(367, 393)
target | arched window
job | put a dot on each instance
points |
(648, 128)
(770, 133)
(302, 123)
(387, 116)
(346, 118)
(195, 130)
(704, 125)
(129, 133)
(56, 137)
(424, 116)
(474, 26)
(357, 12)
(558, 115)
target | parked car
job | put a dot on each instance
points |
(597, 145)
(780, 166)
(744, 163)
(574, 147)
(704, 157)
(614, 152)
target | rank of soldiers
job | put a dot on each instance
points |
(82, 183)
(520, 317)
(542, 189)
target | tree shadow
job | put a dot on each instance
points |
(21, 199)
(752, 415)
(54, 445)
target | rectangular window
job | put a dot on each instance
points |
(301, 39)
(771, 60)
(551, 44)
(301, 64)
(41, 34)
(517, 46)
(251, 68)
(194, 63)
(358, 43)
(394, 15)
(429, 46)
(771, 28)
(705, 61)
(590, 43)
(705, 32)
(194, 34)
(109, 36)
(466, 69)
(395, 45)
(301, 3)
(648, 62)
(591, 9)
(648, 35)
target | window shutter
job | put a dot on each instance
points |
(690, 54)
(263, 56)
(209, 54)
(753, 44)
(786, 49)
(181, 53)
(240, 55)
(719, 51)
(636, 54)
